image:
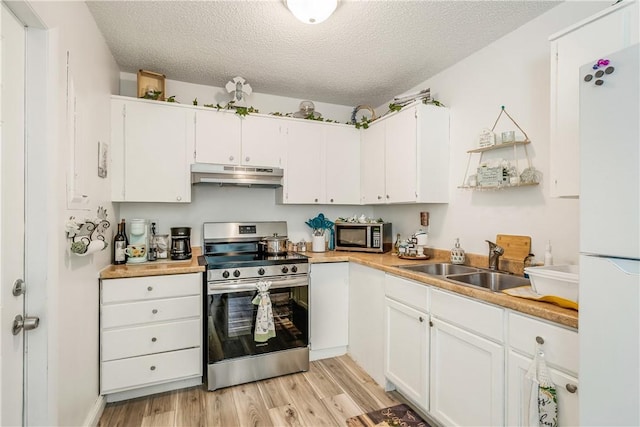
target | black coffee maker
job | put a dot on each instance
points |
(180, 243)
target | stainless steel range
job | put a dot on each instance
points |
(236, 264)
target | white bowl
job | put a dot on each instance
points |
(556, 280)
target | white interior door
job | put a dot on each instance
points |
(12, 161)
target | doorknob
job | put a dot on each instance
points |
(27, 323)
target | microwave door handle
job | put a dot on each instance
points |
(369, 238)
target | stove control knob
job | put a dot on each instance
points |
(236, 273)
(294, 269)
(285, 269)
(225, 274)
(261, 271)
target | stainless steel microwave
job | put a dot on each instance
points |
(374, 237)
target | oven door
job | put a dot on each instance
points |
(232, 318)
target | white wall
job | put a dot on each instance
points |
(73, 281)
(514, 72)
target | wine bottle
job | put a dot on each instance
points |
(119, 245)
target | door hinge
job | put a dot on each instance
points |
(124, 111)
(430, 324)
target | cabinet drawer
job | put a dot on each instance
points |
(135, 313)
(475, 316)
(118, 375)
(156, 338)
(142, 288)
(407, 292)
(560, 346)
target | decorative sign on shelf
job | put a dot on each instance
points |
(486, 138)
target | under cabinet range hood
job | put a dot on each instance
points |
(241, 176)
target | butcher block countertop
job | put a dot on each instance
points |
(155, 268)
(386, 262)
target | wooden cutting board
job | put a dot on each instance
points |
(515, 247)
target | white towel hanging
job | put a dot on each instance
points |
(265, 327)
(543, 402)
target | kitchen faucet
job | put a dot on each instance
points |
(494, 253)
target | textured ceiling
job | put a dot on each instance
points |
(367, 52)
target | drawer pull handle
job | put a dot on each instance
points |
(421, 319)
(153, 368)
(149, 288)
(571, 388)
(540, 340)
(154, 339)
(154, 311)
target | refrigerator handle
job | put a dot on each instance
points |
(627, 266)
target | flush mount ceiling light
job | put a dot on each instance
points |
(312, 11)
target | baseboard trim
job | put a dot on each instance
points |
(154, 389)
(93, 417)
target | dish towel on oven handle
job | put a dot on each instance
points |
(543, 402)
(265, 327)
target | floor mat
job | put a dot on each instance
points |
(399, 415)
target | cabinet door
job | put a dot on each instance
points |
(262, 141)
(366, 319)
(606, 33)
(342, 165)
(156, 152)
(304, 173)
(519, 393)
(400, 157)
(372, 164)
(329, 301)
(217, 137)
(407, 351)
(432, 154)
(467, 377)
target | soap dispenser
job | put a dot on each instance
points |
(457, 253)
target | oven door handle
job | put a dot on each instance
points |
(224, 288)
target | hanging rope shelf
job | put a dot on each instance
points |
(505, 175)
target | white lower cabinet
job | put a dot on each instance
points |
(329, 300)
(560, 348)
(150, 334)
(406, 361)
(366, 319)
(467, 361)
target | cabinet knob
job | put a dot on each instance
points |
(331, 200)
(149, 288)
(315, 200)
(153, 368)
(231, 158)
(246, 159)
(178, 198)
(421, 319)
(571, 388)
(387, 196)
(154, 311)
(379, 197)
(154, 339)
(540, 340)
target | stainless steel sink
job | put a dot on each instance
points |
(439, 269)
(490, 280)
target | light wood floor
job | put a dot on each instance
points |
(330, 392)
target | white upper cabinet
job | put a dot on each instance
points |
(263, 141)
(217, 136)
(372, 164)
(405, 157)
(342, 165)
(323, 163)
(223, 137)
(609, 31)
(304, 172)
(151, 146)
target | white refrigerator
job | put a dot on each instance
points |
(609, 329)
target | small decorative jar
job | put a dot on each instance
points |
(457, 253)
